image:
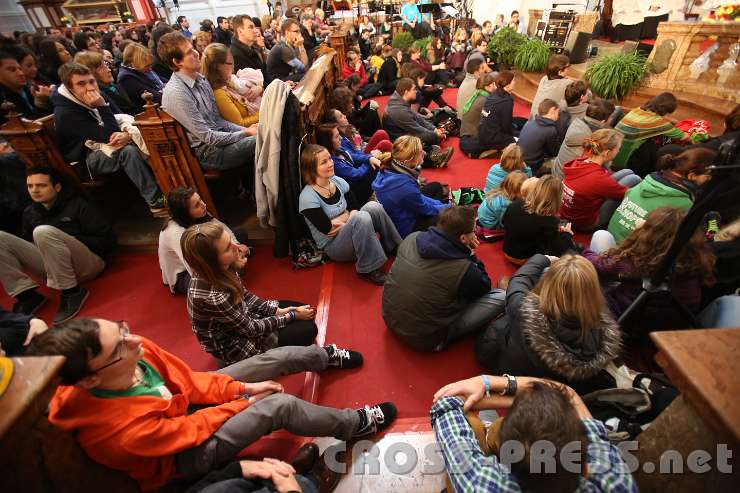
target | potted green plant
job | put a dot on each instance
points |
(504, 45)
(403, 41)
(532, 56)
(614, 76)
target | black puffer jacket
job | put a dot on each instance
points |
(525, 342)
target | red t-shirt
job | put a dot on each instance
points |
(585, 188)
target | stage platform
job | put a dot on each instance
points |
(712, 109)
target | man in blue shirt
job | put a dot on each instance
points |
(184, 24)
(413, 21)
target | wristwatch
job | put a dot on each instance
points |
(510, 385)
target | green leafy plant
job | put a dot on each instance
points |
(403, 41)
(532, 56)
(614, 76)
(504, 45)
(422, 45)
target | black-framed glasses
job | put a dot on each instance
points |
(120, 350)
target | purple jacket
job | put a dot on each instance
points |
(621, 295)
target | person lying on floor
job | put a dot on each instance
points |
(536, 410)
(622, 268)
(186, 208)
(337, 226)
(437, 290)
(557, 325)
(306, 473)
(63, 241)
(411, 204)
(356, 168)
(127, 401)
(591, 192)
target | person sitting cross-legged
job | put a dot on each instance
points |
(188, 97)
(539, 138)
(537, 410)
(399, 119)
(128, 402)
(344, 233)
(437, 290)
(412, 203)
(83, 114)
(63, 239)
(598, 112)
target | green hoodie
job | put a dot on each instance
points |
(651, 193)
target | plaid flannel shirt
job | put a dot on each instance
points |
(471, 471)
(233, 332)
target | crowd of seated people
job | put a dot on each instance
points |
(578, 164)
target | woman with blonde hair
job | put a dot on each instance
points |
(344, 233)
(557, 325)
(232, 323)
(493, 207)
(398, 187)
(201, 39)
(136, 76)
(511, 160)
(591, 192)
(531, 224)
(217, 65)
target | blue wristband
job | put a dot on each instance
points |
(487, 384)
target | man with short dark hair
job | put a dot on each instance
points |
(159, 67)
(62, 240)
(243, 46)
(222, 33)
(536, 410)
(89, 134)
(516, 23)
(475, 68)
(282, 61)
(478, 52)
(437, 290)
(539, 137)
(184, 24)
(30, 102)
(399, 119)
(128, 401)
(188, 98)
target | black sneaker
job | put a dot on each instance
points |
(343, 358)
(377, 418)
(70, 305)
(30, 303)
(376, 277)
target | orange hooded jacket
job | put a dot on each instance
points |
(140, 435)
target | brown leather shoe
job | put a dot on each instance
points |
(328, 479)
(305, 459)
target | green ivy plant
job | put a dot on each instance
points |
(614, 76)
(422, 45)
(403, 41)
(532, 56)
(504, 44)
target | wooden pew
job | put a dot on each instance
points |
(170, 155)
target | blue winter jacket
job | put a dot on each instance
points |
(403, 201)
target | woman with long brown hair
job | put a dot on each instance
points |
(230, 322)
(623, 268)
(557, 325)
(217, 65)
(344, 233)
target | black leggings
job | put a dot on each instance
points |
(298, 332)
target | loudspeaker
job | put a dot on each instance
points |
(578, 47)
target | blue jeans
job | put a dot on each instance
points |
(602, 241)
(625, 177)
(724, 312)
(358, 240)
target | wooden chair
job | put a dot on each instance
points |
(170, 155)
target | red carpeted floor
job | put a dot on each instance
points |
(131, 289)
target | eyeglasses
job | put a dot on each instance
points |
(120, 350)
